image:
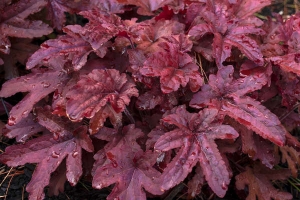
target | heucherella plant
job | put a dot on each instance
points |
(158, 93)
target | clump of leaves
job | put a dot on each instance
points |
(157, 92)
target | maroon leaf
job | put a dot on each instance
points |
(228, 95)
(128, 167)
(195, 136)
(50, 153)
(173, 66)
(24, 129)
(57, 52)
(14, 23)
(38, 84)
(57, 8)
(289, 62)
(226, 20)
(97, 89)
(20, 51)
(259, 183)
(107, 26)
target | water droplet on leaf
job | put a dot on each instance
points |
(11, 121)
(54, 154)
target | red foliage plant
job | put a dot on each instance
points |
(156, 92)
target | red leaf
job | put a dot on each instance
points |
(57, 52)
(57, 8)
(38, 84)
(128, 167)
(173, 66)
(107, 26)
(14, 23)
(24, 129)
(97, 89)
(228, 95)
(50, 153)
(195, 136)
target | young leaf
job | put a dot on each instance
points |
(195, 135)
(226, 20)
(174, 66)
(96, 90)
(228, 95)
(107, 26)
(128, 167)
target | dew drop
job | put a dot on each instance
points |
(224, 187)
(74, 154)
(54, 154)
(45, 84)
(55, 136)
(25, 113)
(99, 186)
(11, 121)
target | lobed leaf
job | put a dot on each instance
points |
(96, 90)
(195, 136)
(39, 84)
(128, 167)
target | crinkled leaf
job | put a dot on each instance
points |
(38, 84)
(227, 94)
(174, 67)
(289, 62)
(259, 183)
(97, 89)
(195, 136)
(222, 18)
(128, 167)
(107, 26)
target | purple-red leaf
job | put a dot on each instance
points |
(57, 52)
(49, 152)
(96, 90)
(195, 136)
(14, 24)
(228, 95)
(38, 84)
(24, 129)
(128, 167)
(174, 66)
(222, 18)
